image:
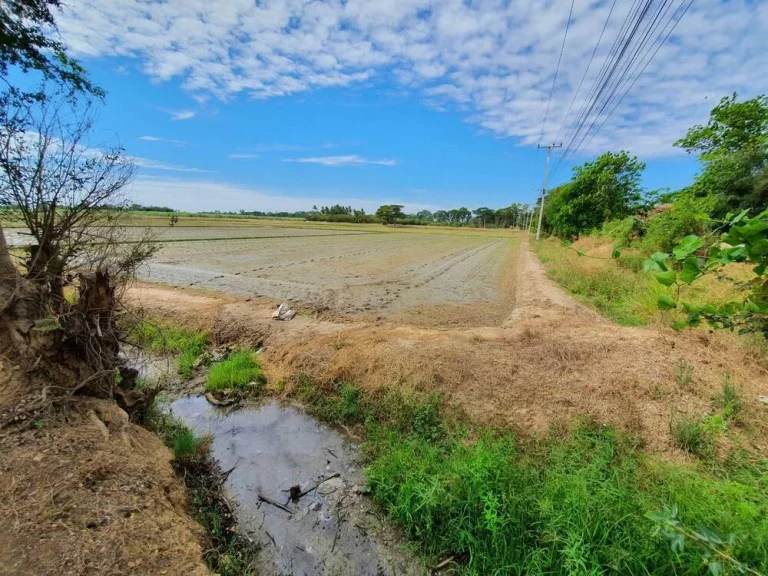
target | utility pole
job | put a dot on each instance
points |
(544, 186)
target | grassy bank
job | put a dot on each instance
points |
(619, 288)
(588, 501)
(164, 340)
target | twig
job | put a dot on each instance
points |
(308, 490)
(271, 538)
(331, 452)
(442, 564)
(274, 503)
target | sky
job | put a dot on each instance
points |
(434, 104)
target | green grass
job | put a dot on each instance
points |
(159, 339)
(729, 402)
(238, 372)
(683, 373)
(693, 436)
(574, 503)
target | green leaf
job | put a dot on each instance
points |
(691, 270)
(660, 258)
(667, 277)
(651, 266)
(615, 253)
(691, 309)
(687, 246)
(680, 325)
(666, 302)
(715, 568)
(580, 252)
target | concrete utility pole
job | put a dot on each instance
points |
(544, 186)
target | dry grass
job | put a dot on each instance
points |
(83, 491)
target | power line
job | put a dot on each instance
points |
(639, 57)
(589, 65)
(557, 70)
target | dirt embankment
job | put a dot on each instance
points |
(84, 491)
(553, 360)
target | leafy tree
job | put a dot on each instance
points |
(733, 146)
(603, 190)
(441, 216)
(485, 215)
(390, 213)
(425, 215)
(28, 42)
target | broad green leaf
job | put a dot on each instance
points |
(715, 568)
(666, 302)
(739, 218)
(667, 277)
(660, 258)
(691, 270)
(580, 252)
(615, 253)
(691, 309)
(680, 325)
(651, 266)
(687, 246)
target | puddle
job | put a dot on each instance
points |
(333, 529)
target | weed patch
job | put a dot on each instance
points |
(238, 372)
(166, 340)
(683, 373)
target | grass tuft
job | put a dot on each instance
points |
(238, 372)
(693, 436)
(729, 401)
(683, 373)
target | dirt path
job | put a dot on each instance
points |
(553, 360)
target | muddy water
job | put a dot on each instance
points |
(334, 528)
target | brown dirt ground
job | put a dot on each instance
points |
(88, 492)
(552, 361)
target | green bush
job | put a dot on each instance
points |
(688, 215)
(238, 372)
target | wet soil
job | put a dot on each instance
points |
(332, 529)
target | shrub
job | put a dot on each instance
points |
(238, 372)
(692, 436)
(688, 215)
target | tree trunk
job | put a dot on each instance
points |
(8, 271)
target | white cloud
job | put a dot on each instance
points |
(494, 60)
(210, 195)
(181, 114)
(350, 159)
(166, 140)
(243, 156)
(158, 165)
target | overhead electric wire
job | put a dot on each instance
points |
(612, 83)
(610, 75)
(601, 80)
(589, 65)
(647, 62)
(620, 78)
(557, 70)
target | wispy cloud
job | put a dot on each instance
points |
(491, 60)
(166, 140)
(350, 159)
(158, 165)
(243, 156)
(181, 114)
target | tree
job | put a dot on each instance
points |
(485, 215)
(27, 30)
(425, 215)
(603, 190)
(63, 190)
(390, 213)
(734, 149)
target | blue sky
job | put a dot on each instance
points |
(281, 105)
